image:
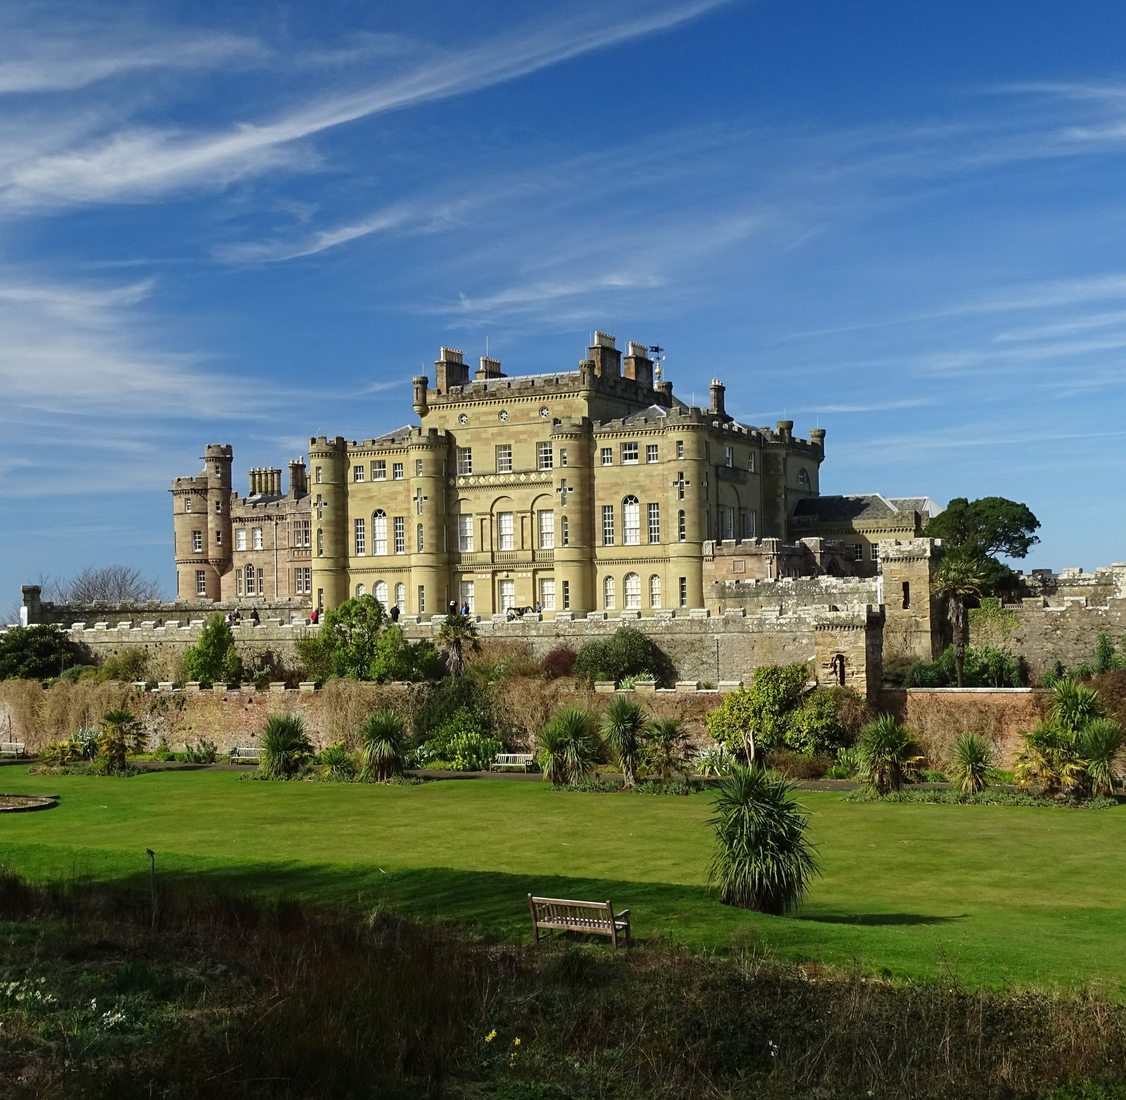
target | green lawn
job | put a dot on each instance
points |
(989, 895)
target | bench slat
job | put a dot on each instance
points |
(569, 915)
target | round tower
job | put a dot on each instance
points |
(329, 461)
(690, 493)
(574, 528)
(426, 525)
(218, 459)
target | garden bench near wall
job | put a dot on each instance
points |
(13, 748)
(525, 760)
(243, 756)
(562, 915)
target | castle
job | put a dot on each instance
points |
(593, 489)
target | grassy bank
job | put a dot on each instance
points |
(108, 992)
(992, 896)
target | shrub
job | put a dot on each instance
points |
(559, 662)
(284, 747)
(336, 763)
(130, 665)
(1100, 744)
(762, 860)
(799, 765)
(886, 754)
(665, 747)
(383, 745)
(213, 658)
(714, 762)
(57, 753)
(465, 742)
(38, 652)
(627, 653)
(971, 762)
(828, 717)
(984, 666)
(568, 746)
(202, 752)
(759, 716)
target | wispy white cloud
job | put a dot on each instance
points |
(142, 163)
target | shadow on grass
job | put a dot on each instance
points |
(878, 920)
(493, 904)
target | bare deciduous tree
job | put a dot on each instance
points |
(103, 583)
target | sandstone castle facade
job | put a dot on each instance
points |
(586, 490)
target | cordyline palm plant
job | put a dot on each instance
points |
(383, 746)
(957, 580)
(119, 735)
(1100, 744)
(666, 747)
(457, 636)
(284, 747)
(1050, 761)
(568, 746)
(971, 762)
(1074, 705)
(622, 727)
(886, 754)
(762, 860)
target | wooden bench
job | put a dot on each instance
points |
(562, 915)
(243, 756)
(13, 748)
(525, 760)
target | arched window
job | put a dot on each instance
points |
(250, 579)
(400, 596)
(654, 591)
(320, 543)
(418, 537)
(379, 532)
(380, 592)
(564, 532)
(360, 590)
(803, 477)
(632, 589)
(631, 521)
(609, 600)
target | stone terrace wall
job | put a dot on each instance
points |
(938, 715)
(701, 646)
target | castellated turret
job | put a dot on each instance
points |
(201, 525)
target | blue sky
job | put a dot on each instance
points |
(253, 222)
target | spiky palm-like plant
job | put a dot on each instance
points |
(1049, 760)
(622, 727)
(1100, 744)
(886, 754)
(1074, 705)
(568, 746)
(762, 859)
(457, 636)
(971, 762)
(383, 745)
(284, 747)
(119, 735)
(337, 764)
(666, 746)
(957, 580)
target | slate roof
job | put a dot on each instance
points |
(868, 507)
(396, 435)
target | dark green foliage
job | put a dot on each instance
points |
(827, 718)
(627, 653)
(383, 746)
(397, 659)
(1100, 745)
(568, 746)
(990, 796)
(886, 754)
(213, 659)
(623, 724)
(38, 653)
(347, 642)
(762, 860)
(446, 698)
(465, 741)
(985, 527)
(983, 666)
(130, 665)
(284, 747)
